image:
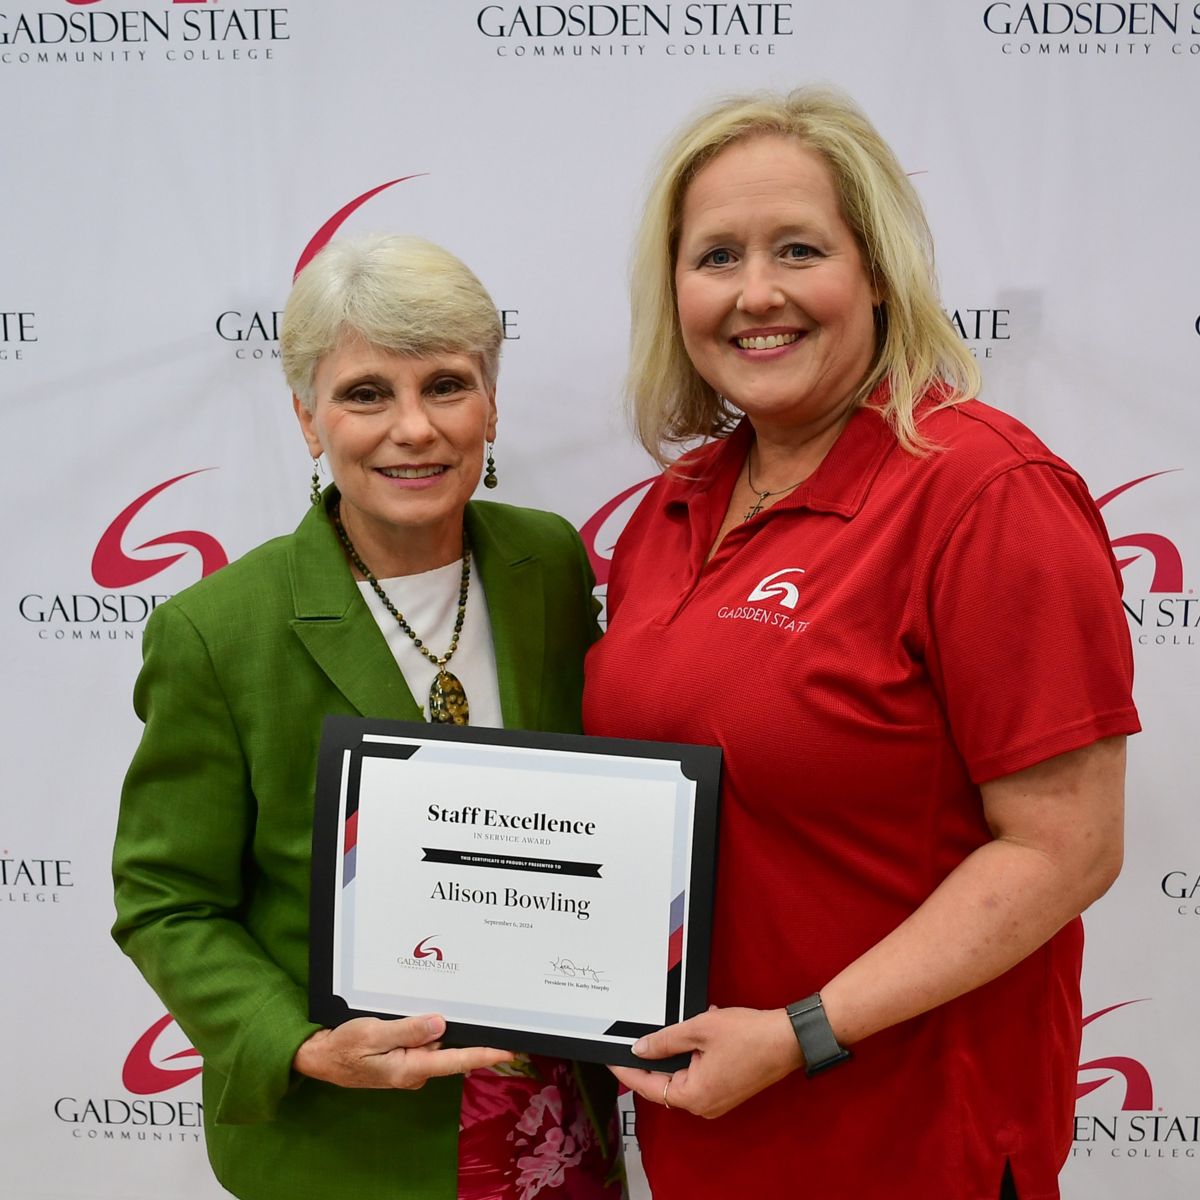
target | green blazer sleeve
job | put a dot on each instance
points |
(187, 816)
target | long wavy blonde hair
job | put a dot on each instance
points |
(916, 348)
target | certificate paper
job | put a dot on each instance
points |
(543, 892)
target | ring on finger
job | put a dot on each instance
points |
(666, 1089)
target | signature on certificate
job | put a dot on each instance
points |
(573, 970)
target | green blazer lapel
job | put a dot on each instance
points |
(512, 581)
(335, 626)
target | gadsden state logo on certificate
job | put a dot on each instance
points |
(543, 892)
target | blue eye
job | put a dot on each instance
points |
(799, 251)
(719, 257)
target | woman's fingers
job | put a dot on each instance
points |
(405, 1033)
(650, 1085)
(417, 1066)
(684, 1038)
(670, 1089)
(674, 1039)
(370, 1053)
(735, 1053)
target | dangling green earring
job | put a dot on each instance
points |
(314, 493)
(489, 476)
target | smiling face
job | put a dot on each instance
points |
(405, 439)
(775, 305)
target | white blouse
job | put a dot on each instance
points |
(429, 603)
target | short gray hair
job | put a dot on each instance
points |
(402, 294)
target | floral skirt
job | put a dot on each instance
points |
(525, 1132)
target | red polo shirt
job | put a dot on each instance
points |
(866, 652)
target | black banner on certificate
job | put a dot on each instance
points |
(568, 914)
(506, 862)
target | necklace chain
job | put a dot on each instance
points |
(365, 571)
(757, 506)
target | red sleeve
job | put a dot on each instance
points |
(1028, 645)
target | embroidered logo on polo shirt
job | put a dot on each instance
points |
(783, 594)
(774, 585)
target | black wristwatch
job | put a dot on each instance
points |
(815, 1035)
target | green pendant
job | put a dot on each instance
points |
(447, 700)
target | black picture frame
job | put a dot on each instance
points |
(344, 744)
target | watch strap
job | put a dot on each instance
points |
(815, 1035)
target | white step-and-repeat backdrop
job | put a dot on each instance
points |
(166, 167)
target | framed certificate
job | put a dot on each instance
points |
(544, 892)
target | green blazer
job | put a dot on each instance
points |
(213, 843)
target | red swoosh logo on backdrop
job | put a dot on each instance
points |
(1168, 564)
(601, 559)
(143, 1077)
(113, 568)
(1139, 1090)
(322, 236)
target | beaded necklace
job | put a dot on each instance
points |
(447, 698)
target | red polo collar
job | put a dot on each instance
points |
(839, 485)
